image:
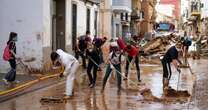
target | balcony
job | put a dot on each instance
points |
(196, 8)
(93, 1)
(121, 5)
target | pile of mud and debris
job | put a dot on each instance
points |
(159, 45)
(170, 96)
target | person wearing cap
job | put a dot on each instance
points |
(114, 62)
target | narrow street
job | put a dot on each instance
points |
(92, 99)
(59, 54)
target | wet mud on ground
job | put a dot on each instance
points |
(129, 98)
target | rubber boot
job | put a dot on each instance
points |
(165, 85)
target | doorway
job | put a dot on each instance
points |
(74, 26)
(58, 24)
(88, 20)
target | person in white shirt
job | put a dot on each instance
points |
(114, 62)
(71, 65)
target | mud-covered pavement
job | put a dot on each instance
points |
(129, 98)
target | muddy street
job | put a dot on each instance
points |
(129, 98)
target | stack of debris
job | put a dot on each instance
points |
(170, 96)
(158, 45)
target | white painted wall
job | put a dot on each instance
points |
(82, 16)
(205, 8)
(25, 18)
(31, 19)
(68, 22)
(47, 23)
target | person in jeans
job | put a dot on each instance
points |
(114, 61)
(71, 65)
(98, 42)
(93, 63)
(11, 75)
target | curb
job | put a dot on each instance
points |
(28, 84)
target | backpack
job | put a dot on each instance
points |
(7, 54)
(188, 41)
(82, 43)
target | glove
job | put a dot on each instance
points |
(61, 75)
(65, 74)
(179, 70)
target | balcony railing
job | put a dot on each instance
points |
(124, 5)
(94, 1)
(196, 7)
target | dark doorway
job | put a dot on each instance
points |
(58, 24)
(95, 23)
(88, 20)
(74, 25)
(117, 30)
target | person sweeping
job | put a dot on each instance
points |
(171, 56)
(93, 63)
(71, 65)
(114, 61)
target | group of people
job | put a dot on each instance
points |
(91, 50)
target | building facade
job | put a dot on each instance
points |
(136, 17)
(149, 13)
(105, 18)
(194, 16)
(205, 17)
(44, 26)
(121, 10)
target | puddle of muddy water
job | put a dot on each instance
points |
(91, 99)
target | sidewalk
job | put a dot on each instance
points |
(21, 78)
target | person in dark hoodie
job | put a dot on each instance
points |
(93, 63)
(98, 42)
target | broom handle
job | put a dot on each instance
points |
(123, 75)
(190, 68)
(178, 80)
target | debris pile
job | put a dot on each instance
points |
(170, 96)
(170, 92)
(53, 100)
(155, 45)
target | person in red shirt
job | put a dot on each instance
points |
(133, 53)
